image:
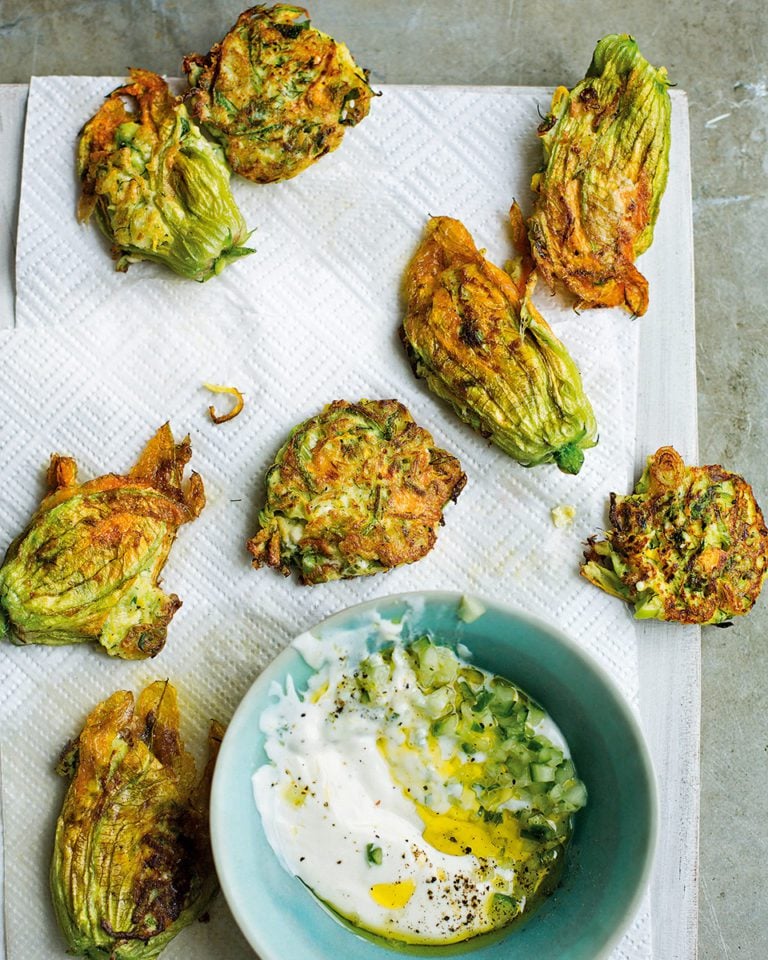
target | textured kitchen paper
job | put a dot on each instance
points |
(99, 360)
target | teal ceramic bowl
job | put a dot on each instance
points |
(610, 855)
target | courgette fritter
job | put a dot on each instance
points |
(132, 863)
(606, 159)
(689, 545)
(355, 490)
(276, 93)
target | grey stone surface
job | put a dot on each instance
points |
(718, 53)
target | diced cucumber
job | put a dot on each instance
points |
(511, 733)
(470, 609)
(503, 906)
(420, 645)
(575, 795)
(516, 771)
(565, 771)
(437, 703)
(445, 725)
(373, 854)
(465, 710)
(372, 676)
(502, 709)
(435, 666)
(492, 816)
(473, 676)
(542, 773)
(503, 689)
(535, 714)
(537, 789)
(482, 701)
(535, 832)
(493, 799)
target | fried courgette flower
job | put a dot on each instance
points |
(606, 158)
(88, 563)
(355, 490)
(131, 862)
(276, 93)
(689, 545)
(159, 189)
(472, 332)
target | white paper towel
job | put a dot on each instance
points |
(99, 360)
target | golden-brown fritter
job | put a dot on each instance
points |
(355, 490)
(689, 545)
(276, 93)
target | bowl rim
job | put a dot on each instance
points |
(260, 686)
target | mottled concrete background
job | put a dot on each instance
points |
(718, 53)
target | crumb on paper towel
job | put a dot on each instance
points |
(563, 515)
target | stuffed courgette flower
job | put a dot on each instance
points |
(159, 189)
(472, 332)
(606, 159)
(131, 863)
(88, 563)
(276, 93)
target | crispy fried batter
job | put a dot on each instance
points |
(132, 863)
(237, 405)
(472, 331)
(158, 187)
(690, 545)
(88, 563)
(606, 158)
(276, 93)
(357, 489)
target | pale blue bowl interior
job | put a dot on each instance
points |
(609, 858)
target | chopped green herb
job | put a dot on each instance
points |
(373, 854)
(492, 816)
